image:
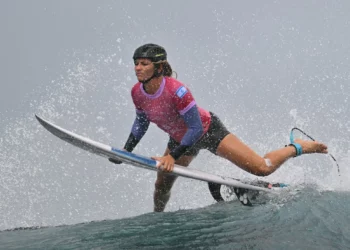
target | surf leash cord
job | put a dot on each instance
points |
(311, 138)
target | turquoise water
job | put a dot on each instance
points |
(308, 219)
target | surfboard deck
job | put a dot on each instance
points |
(139, 160)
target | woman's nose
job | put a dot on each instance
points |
(137, 67)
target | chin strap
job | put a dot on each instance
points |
(155, 74)
(149, 79)
(296, 145)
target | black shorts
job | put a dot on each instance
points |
(210, 140)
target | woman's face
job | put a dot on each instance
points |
(144, 69)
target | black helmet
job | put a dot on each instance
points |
(150, 51)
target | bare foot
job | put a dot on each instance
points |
(310, 147)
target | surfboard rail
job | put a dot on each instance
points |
(138, 160)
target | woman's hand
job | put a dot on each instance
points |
(166, 163)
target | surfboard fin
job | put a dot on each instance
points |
(242, 195)
(214, 189)
(115, 161)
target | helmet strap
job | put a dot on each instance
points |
(155, 74)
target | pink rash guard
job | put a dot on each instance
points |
(166, 107)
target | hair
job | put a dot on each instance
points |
(167, 70)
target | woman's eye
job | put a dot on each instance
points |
(142, 63)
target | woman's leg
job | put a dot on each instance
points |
(244, 157)
(164, 183)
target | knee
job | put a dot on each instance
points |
(263, 168)
(262, 172)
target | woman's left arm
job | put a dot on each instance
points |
(194, 132)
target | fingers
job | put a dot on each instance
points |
(166, 166)
(165, 163)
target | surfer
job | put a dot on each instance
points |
(165, 101)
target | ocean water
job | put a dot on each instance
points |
(263, 68)
(306, 219)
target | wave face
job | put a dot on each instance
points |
(307, 220)
(262, 69)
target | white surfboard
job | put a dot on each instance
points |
(138, 160)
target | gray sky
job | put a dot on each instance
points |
(272, 46)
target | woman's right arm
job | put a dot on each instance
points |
(138, 130)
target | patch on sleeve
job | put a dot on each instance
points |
(180, 92)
